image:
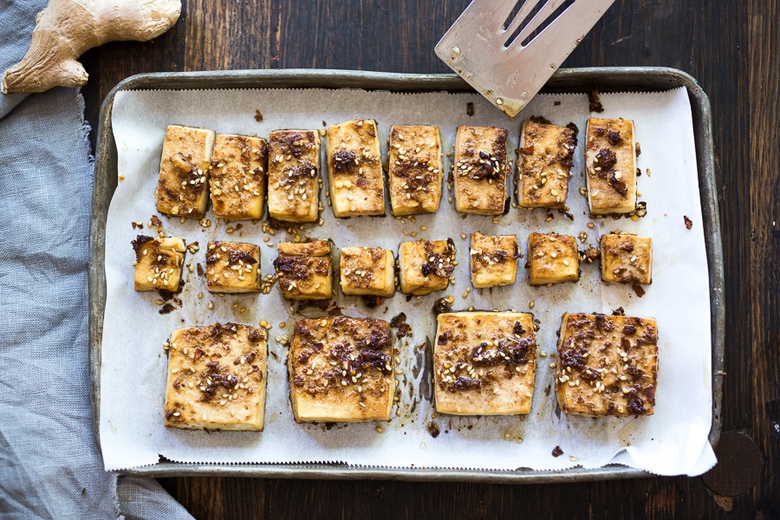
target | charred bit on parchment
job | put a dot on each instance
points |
(594, 103)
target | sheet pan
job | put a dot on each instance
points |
(572, 80)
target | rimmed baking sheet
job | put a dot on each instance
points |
(572, 81)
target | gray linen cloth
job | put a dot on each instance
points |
(50, 462)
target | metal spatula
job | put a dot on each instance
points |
(508, 49)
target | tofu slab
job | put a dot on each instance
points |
(232, 267)
(610, 164)
(481, 170)
(367, 271)
(626, 259)
(355, 169)
(182, 186)
(294, 175)
(552, 258)
(544, 165)
(414, 169)
(341, 370)
(238, 177)
(493, 260)
(304, 270)
(484, 363)
(158, 263)
(425, 266)
(607, 365)
(217, 378)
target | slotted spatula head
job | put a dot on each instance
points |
(508, 49)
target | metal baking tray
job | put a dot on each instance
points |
(623, 79)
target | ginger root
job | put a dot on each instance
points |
(66, 29)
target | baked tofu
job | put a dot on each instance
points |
(607, 365)
(294, 175)
(304, 270)
(610, 164)
(341, 370)
(544, 165)
(355, 169)
(158, 263)
(182, 187)
(367, 271)
(425, 265)
(493, 260)
(415, 168)
(232, 267)
(552, 258)
(217, 378)
(238, 177)
(484, 363)
(481, 170)
(626, 259)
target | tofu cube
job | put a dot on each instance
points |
(493, 260)
(217, 378)
(158, 263)
(341, 370)
(544, 165)
(425, 265)
(238, 177)
(484, 363)
(607, 365)
(626, 259)
(552, 258)
(294, 175)
(304, 270)
(610, 164)
(232, 267)
(367, 271)
(355, 169)
(415, 168)
(481, 170)
(182, 187)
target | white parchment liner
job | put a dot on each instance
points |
(672, 441)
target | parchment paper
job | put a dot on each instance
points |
(672, 441)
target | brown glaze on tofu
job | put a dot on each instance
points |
(481, 170)
(217, 378)
(607, 365)
(484, 363)
(341, 370)
(414, 169)
(238, 177)
(610, 165)
(182, 186)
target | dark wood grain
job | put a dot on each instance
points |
(764, 153)
(732, 48)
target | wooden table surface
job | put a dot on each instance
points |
(730, 47)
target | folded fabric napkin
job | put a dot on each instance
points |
(50, 463)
